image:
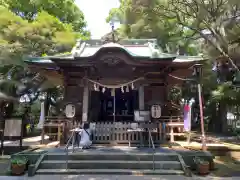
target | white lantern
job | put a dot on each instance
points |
(156, 111)
(238, 124)
(70, 111)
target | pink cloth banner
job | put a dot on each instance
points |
(187, 117)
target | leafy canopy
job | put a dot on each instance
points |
(139, 20)
(65, 10)
(45, 35)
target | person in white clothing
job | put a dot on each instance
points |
(85, 134)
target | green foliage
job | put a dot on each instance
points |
(209, 27)
(35, 28)
(38, 27)
(141, 20)
(35, 109)
(19, 160)
(215, 21)
(198, 160)
(45, 35)
(65, 10)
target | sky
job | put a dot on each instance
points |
(95, 12)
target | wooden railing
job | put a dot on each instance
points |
(116, 132)
(55, 126)
(106, 132)
(172, 126)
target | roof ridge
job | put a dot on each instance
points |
(122, 41)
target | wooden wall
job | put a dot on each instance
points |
(74, 94)
(73, 90)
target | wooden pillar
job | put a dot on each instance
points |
(85, 104)
(141, 98)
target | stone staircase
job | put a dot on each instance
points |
(111, 163)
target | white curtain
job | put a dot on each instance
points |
(42, 116)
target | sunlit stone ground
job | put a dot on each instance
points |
(112, 177)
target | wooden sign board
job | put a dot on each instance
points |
(13, 128)
(141, 115)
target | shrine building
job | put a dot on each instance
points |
(113, 85)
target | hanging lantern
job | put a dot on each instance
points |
(156, 111)
(113, 92)
(127, 89)
(103, 89)
(122, 89)
(70, 110)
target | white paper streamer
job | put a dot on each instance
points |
(115, 86)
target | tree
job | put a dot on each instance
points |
(20, 38)
(188, 26)
(216, 21)
(45, 35)
(65, 10)
(139, 20)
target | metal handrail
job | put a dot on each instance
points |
(153, 147)
(66, 148)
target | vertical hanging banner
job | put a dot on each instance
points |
(42, 116)
(187, 117)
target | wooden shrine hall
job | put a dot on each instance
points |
(116, 85)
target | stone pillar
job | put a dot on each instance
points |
(141, 98)
(85, 104)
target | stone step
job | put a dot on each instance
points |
(109, 172)
(106, 164)
(114, 156)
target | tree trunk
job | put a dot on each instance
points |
(212, 125)
(47, 103)
(223, 117)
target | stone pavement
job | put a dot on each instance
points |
(28, 142)
(113, 177)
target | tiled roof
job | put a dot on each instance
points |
(137, 48)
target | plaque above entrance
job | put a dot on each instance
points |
(110, 59)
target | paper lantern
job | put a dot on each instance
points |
(156, 111)
(70, 111)
(238, 124)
